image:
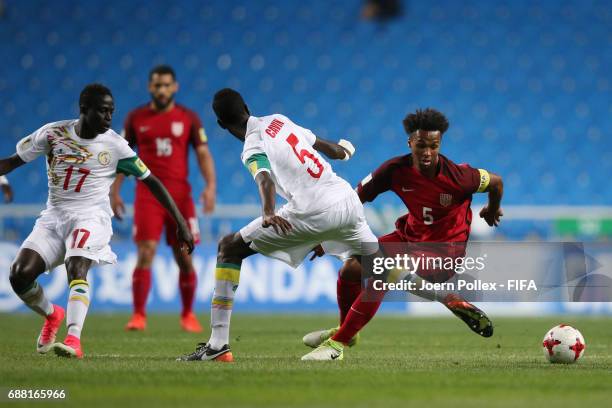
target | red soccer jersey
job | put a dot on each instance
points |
(162, 140)
(439, 208)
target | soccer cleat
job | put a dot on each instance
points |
(138, 322)
(475, 318)
(46, 338)
(316, 338)
(70, 348)
(327, 351)
(189, 323)
(205, 353)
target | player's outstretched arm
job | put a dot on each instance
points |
(492, 212)
(115, 197)
(162, 195)
(267, 192)
(343, 150)
(9, 164)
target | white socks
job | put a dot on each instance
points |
(78, 303)
(227, 277)
(36, 300)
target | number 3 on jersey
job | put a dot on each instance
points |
(293, 142)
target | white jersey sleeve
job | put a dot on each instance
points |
(34, 145)
(253, 155)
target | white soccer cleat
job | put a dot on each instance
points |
(329, 350)
(316, 338)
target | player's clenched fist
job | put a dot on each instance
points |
(492, 217)
(277, 223)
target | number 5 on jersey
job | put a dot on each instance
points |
(428, 219)
(293, 142)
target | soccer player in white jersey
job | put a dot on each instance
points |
(321, 208)
(83, 157)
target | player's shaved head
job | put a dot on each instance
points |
(91, 94)
(230, 108)
(427, 120)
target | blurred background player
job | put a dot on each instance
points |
(321, 208)
(83, 158)
(162, 132)
(437, 193)
(7, 191)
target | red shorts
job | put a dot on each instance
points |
(150, 218)
(444, 250)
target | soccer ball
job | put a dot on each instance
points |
(563, 344)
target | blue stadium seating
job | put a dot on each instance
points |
(526, 84)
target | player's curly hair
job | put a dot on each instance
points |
(91, 93)
(229, 106)
(427, 119)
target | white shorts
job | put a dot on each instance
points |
(57, 236)
(342, 230)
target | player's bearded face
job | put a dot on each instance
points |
(162, 88)
(425, 147)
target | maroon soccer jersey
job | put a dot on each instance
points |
(163, 140)
(439, 208)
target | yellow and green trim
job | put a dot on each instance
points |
(257, 163)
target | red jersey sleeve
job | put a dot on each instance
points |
(471, 180)
(378, 181)
(197, 135)
(129, 133)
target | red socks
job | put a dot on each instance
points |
(141, 284)
(346, 293)
(188, 283)
(360, 313)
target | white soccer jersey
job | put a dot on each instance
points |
(80, 171)
(301, 175)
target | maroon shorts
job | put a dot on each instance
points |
(150, 218)
(396, 244)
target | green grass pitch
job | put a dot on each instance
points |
(400, 361)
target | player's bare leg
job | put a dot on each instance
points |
(24, 271)
(188, 281)
(78, 304)
(141, 284)
(232, 250)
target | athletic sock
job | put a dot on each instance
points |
(360, 313)
(227, 277)
(141, 284)
(188, 282)
(78, 303)
(34, 297)
(347, 292)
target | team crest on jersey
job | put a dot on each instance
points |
(177, 128)
(445, 199)
(104, 158)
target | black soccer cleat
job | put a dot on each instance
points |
(475, 318)
(204, 352)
